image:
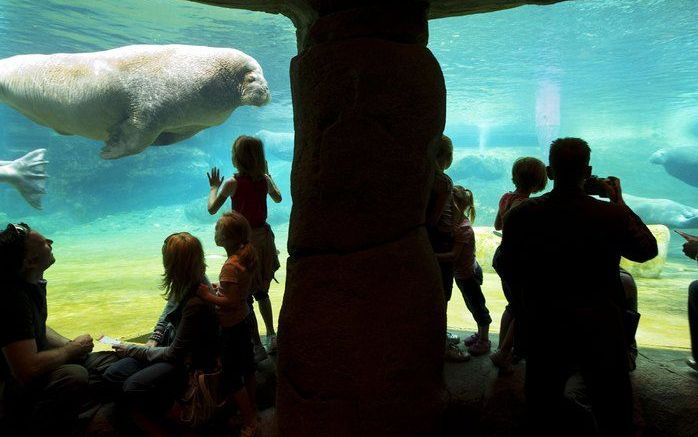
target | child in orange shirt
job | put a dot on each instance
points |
(232, 309)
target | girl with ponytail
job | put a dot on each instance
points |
(231, 294)
(467, 271)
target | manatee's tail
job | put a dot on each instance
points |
(27, 174)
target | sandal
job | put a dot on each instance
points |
(480, 347)
(248, 431)
(472, 339)
(501, 360)
(456, 355)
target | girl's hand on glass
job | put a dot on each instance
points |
(151, 343)
(214, 177)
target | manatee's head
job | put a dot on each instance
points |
(254, 89)
(658, 157)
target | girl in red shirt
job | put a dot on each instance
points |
(248, 190)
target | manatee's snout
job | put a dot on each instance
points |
(658, 157)
(255, 89)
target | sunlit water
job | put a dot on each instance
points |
(622, 74)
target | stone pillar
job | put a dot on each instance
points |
(361, 330)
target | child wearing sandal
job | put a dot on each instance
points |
(232, 309)
(467, 271)
(248, 190)
(529, 176)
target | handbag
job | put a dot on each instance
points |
(201, 399)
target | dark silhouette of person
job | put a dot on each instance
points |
(690, 249)
(562, 251)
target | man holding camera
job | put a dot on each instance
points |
(44, 377)
(563, 251)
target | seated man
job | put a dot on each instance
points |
(45, 375)
(690, 248)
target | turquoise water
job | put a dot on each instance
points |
(622, 74)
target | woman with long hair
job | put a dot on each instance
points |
(152, 376)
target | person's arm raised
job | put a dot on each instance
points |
(637, 242)
(221, 300)
(27, 364)
(219, 191)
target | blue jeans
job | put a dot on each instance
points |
(150, 387)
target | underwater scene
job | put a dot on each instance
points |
(622, 74)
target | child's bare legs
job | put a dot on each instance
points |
(254, 329)
(504, 325)
(265, 309)
(507, 343)
(247, 408)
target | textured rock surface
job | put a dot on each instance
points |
(362, 323)
(361, 343)
(303, 13)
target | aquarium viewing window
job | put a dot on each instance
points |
(620, 74)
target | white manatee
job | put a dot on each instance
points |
(133, 96)
(680, 162)
(663, 211)
(27, 175)
(277, 144)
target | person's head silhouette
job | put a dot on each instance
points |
(569, 162)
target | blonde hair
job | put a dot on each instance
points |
(235, 228)
(185, 267)
(464, 202)
(529, 174)
(248, 157)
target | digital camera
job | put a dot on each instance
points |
(596, 186)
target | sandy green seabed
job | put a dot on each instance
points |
(107, 274)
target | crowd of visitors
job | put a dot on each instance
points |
(558, 262)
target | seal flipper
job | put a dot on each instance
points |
(129, 137)
(167, 138)
(27, 174)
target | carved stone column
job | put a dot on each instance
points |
(361, 330)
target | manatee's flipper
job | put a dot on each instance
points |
(129, 137)
(28, 175)
(167, 138)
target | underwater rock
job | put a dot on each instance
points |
(486, 243)
(663, 211)
(652, 268)
(196, 211)
(277, 144)
(134, 96)
(27, 175)
(680, 162)
(485, 167)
